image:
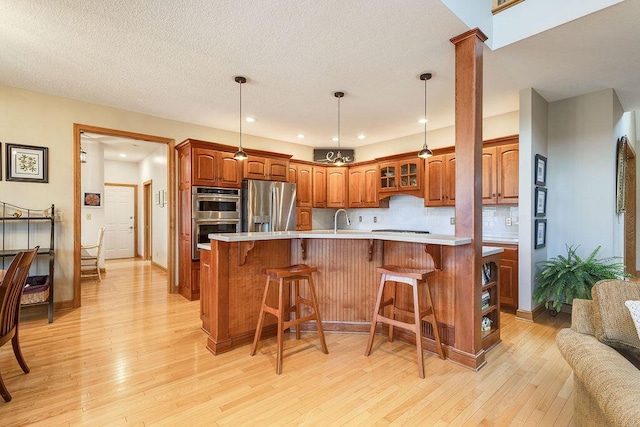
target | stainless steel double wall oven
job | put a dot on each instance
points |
(214, 210)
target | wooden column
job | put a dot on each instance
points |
(468, 210)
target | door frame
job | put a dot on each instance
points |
(135, 214)
(170, 143)
(147, 211)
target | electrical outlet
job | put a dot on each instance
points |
(360, 218)
(88, 217)
(375, 219)
(452, 221)
(508, 221)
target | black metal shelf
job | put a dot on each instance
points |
(11, 214)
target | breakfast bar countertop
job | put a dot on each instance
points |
(435, 239)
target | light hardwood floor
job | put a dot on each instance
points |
(133, 355)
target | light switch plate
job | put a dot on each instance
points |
(452, 221)
(508, 221)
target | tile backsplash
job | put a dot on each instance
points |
(408, 213)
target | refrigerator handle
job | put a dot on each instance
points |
(274, 210)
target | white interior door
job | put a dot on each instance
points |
(119, 221)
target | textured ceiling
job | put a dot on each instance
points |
(177, 59)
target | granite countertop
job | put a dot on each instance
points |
(500, 240)
(436, 239)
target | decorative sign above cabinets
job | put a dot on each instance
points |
(327, 155)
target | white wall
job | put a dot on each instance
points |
(581, 174)
(534, 113)
(92, 173)
(154, 168)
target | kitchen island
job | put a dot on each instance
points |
(232, 283)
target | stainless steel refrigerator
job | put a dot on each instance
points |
(268, 206)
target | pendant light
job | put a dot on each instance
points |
(425, 152)
(83, 154)
(338, 161)
(240, 154)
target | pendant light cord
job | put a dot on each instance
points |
(425, 113)
(241, 116)
(339, 123)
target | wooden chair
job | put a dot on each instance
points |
(11, 289)
(89, 261)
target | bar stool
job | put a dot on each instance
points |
(412, 277)
(286, 276)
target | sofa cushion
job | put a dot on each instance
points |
(634, 309)
(612, 322)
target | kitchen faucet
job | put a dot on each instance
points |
(335, 220)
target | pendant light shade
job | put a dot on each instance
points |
(240, 154)
(338, 161)
(425, 152)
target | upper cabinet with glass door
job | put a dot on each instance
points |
(400, 175)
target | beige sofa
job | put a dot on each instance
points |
(602, 347)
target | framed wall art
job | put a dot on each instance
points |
(92, 200)
(500, 5)
(540, 169)
(27, 163)
(540, 231)
(541, 201)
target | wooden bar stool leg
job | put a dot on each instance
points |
(393, 310)
(374, 320)
(280, 317)
(434, 324)
(256, 337)
(297, 306)
(417, 326)
(314, 300)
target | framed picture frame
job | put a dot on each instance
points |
(500, 5)
(540, 168)
(92, 200)
(541, 202)
(540, 234)
(27, 163)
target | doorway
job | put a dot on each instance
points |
(121, 220)
(147, 209)
(79, 129)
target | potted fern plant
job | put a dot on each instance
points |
(561, 279)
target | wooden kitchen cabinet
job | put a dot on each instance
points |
(304, 185)
(266, 168)
(319, 186)
(363, 186)
(337, 187)
(211, 168)
(500, 175)
(508, 276)
(400, 176)
(303, 219)
(200, 164)
(440, 180)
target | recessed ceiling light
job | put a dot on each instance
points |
(423, 121)
(335, 139)
(251, 119)
(300, 136)
(361, 136)
(123, 155)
